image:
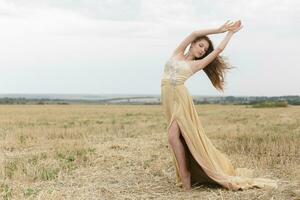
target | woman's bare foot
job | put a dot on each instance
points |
(186, 182)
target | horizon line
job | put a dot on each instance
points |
(136, 94)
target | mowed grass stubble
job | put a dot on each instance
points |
(121, 151)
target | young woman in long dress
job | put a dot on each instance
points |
(195, 157)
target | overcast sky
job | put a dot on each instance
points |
(121, 46)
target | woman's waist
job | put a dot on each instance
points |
(172, 82)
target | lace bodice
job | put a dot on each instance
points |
(177, 71)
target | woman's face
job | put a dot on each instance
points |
(199, 48)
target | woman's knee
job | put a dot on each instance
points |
(174, 132)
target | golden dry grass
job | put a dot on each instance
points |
(121, 152)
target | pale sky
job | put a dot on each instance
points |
(121, 46)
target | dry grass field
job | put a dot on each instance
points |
(121, 151)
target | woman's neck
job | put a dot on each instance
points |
(189, 57)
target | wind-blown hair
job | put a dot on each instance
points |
(216, 69)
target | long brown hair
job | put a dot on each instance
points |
(216, 69)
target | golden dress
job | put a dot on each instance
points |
(205, 162)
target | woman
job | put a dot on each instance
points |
(195, 157)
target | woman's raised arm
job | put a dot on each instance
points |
(200, 64)
(192, 36)
(225, 27)
(182, 46)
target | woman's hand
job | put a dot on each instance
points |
(225, 27)
(230, 27)
(235, 27)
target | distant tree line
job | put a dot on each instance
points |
(7, 100)
(252, 100)
(291, 100)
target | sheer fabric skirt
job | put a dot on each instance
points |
(205, 162)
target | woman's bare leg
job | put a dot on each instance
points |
(178, 148)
